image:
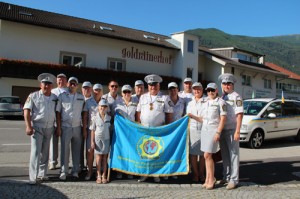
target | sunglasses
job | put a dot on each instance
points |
(73, 84)
(114, 86)
(153, 84)
(171, 88)
(126, 92)
(211, 90)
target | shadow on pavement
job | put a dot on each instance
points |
(14, 189)
(268, 173)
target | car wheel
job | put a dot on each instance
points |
(256, 139)
(297, 138)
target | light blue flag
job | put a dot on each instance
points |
(150, 151)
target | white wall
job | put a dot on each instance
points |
(7, 83)
(257, 84)
(186, 59)
(28, 42)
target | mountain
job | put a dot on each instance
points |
(281, 50)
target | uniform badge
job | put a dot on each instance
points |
(224, 108)
(151, 106)
(239, 103)
(28, 99)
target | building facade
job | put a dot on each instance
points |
(35, 41)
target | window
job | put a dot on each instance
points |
(242, 57)
(267, 83)
(273, 108)
(116, 64)
(278, 85)
(189, 72)
(246, 80)
(72, 59)
(190, 47)
(289, 109)
(232, 70)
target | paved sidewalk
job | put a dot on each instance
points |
(19, 189)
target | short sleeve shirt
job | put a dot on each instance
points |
(128, 111)
(234, 106)
(42, 109)
(153, 109)
(101, 126)
(178, 108)
(195, 107)
(70, 106)
(212, 110)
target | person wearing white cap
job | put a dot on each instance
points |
(69, 110)
(127, 108)
(61, 81)
(100, 141)
(230, 136)
(194, 110)
(178, 103)
(187, 92)
(213, 119)
(139, 89)
(91, 109)
(112, 95)
(39, 116)
(86, 90)
(154, 108)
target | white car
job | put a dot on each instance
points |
(10, 106)
(269, 118)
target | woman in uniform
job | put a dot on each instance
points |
(127, 108)
(213, 117)
(194, 109)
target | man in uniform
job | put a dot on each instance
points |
(187, 89)
(39, 115)
(90, 110)
(113, 95)
(139, 89)
(230, 136)
(154, 108)
(69, 110)
(86, 90)
(61, 81)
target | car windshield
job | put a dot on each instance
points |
(253, 107)
(10, 100)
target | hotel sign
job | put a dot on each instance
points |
(135, 53)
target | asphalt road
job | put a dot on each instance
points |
(277, 162)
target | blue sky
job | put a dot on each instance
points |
(257, 18)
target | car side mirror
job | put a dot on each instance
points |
(272, 115)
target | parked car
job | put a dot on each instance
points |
(10, 106)
(267, 118)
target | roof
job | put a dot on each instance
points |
(240, 63)
(291, 74)
(237, 49)
(36, 17)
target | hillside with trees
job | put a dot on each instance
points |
(281, 50)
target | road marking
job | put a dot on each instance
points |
(16, 144)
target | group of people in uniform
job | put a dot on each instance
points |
(87, 120)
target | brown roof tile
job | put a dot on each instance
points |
(283, 70)
(31, 16)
